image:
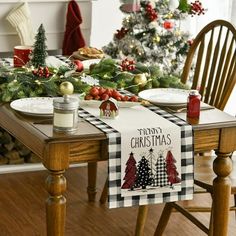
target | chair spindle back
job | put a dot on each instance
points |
(213, 58)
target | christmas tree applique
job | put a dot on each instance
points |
(152, 160)
(144, 174)
(171, 169)
(130, 173)
(161, 179)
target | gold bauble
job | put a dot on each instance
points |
(156, 39)
(169, 15)
(66, 88)
(140, 79)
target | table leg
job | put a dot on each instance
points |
(56, 203)
(222, 166)
(92, 179)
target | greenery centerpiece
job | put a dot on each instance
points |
(29, 81)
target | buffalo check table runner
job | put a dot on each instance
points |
(152, 173)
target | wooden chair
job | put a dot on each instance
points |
(214, 49)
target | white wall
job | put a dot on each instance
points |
(51, 13)
(106, 19)
(216, 9)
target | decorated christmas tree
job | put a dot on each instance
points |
(161, 175)
(144, 174)
(171, 169)
(130, 173)
(39, 53)
(151, 33)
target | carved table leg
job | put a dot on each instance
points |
(92, 178)
(222, 166)
(56, 203)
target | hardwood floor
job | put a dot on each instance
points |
(22, 210)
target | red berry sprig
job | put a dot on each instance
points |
(42, 72)
(127, 65)
(150, 12)
(121, 33)
(197, 9)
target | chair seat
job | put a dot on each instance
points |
(204, 175)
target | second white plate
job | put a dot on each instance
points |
(165, 96)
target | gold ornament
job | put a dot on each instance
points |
(156, 39)
(66, 88)
(169, 15)
(140, 79)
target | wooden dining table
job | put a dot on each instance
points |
(214, 130)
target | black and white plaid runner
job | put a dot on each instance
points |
(115, 199)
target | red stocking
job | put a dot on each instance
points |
(73, 38)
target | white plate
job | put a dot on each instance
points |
(165, 96)
(87, 63)
(37, 106)
(96, 103)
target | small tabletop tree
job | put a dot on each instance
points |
(39, 53)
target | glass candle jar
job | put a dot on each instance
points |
(65, 114)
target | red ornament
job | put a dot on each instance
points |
(121, 33)
(127, 65)
(78, 65)
(196, 8)
(168, 25)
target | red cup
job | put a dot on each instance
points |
(21, 55)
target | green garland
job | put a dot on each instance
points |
(23, 82)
